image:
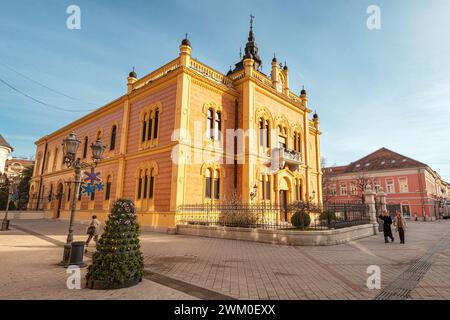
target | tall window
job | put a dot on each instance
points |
(112, 144)
(390, 186)
(297, 142)
(332, 190)
(144, 128)
(210, 124)
(145, 185)
(218, 128)
(85, 147)
(139, 191)
(150, 124)
(208, 184)
(261, 133)
(155, 127)
(377, 186)
(108, 188)
(343, 189)
(217, 185)
(403, 182)
(152, 184)
(68, 193)
(353, 191)
(213, 125)
(267, 134)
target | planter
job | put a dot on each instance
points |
(106, 285)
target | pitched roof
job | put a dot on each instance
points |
(4, 143)
(380, 159)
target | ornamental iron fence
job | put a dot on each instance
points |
(298, 215)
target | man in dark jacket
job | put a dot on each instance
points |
(387, 221)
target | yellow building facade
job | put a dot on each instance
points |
(188, 134)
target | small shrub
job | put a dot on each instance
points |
(297, 217)
(328, 216)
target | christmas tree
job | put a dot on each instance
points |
(118, 261)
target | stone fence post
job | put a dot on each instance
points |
(369, 199)
(382, 200)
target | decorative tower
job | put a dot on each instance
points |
(132, 78)
(274, 72)
(251, 51)
(185, 52)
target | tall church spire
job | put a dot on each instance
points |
(251, 48)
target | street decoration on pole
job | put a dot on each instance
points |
(70, 147)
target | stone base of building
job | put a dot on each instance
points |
(285, 237)
(23, 215)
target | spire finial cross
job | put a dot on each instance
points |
(251, 21)
(186, 35)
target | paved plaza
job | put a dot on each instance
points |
(187, 267)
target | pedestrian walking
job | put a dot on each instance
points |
(400, 226)
(387, 221)
(93, 230)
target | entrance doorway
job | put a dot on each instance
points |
(283, 205)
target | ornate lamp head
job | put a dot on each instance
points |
(70, 147)
(97, 151)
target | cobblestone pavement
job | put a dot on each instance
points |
(187, 267)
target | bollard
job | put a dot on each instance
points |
(76, 254)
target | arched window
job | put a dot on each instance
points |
(50, 193)
(112, 143)
(218, 128)
(152, 184)
(155, 128)
(261, 133)
(85, 147)
(145, 184)
(217, 185)
(150, 127)
(108, 188)
(139, 190)
(144, 128)
(208, 184)
(297, 142)
(267, 134)
(210, 124)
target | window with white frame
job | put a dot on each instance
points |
(343, 189)
(390, 186)
(353, 190)
(403, 184)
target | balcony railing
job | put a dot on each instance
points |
(291, 156)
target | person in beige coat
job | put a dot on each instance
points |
(93, 230)
(400, 226)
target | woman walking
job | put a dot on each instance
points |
(387, 221)
(93, 230)
(400, 225)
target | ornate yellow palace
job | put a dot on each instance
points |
(188, 134)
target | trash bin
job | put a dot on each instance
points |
(77, 254)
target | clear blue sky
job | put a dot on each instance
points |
(371, 89)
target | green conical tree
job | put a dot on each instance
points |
(118, 261)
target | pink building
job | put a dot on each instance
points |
(408, 183)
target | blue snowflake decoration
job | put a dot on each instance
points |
(91, 183)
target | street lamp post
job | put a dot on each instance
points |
(15, 181)
(70, 147)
